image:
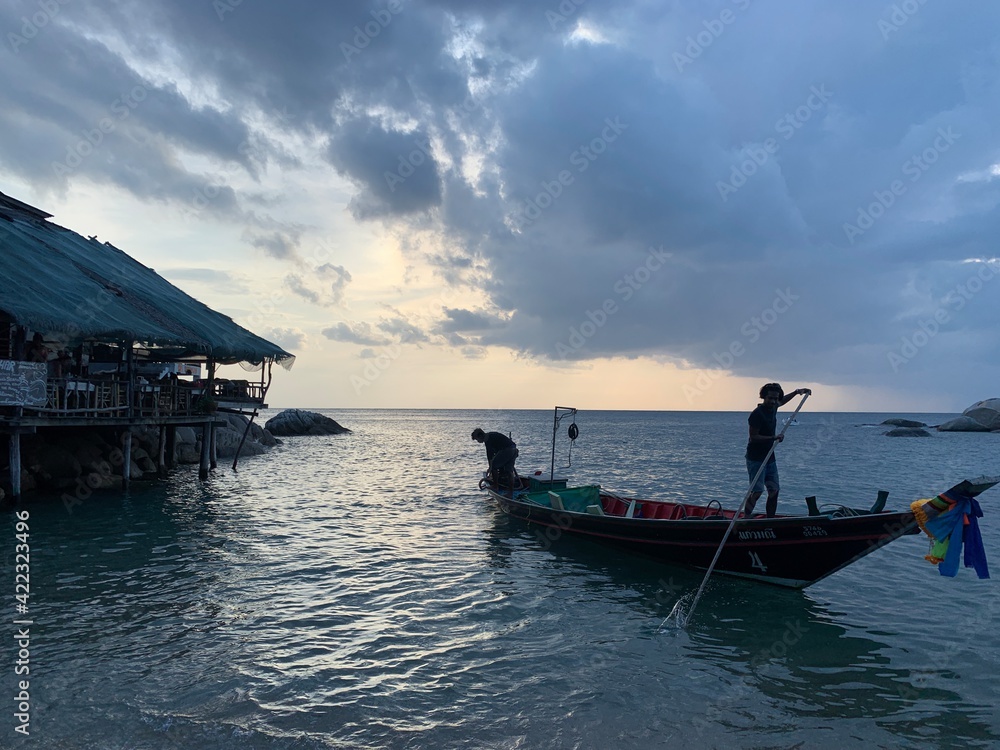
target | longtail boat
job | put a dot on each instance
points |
(794, 551)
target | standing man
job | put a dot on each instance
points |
(763, 422)
(501, 453)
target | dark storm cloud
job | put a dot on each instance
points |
(720, 184)
(395, 171)
(459, 320)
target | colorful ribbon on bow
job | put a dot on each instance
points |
(951, 521)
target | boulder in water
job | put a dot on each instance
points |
(908, 432)
(987, 413)
(903, 423)
(962, 424)
(301, 422)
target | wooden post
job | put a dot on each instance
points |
(213, 456)
(15, 466)
(206, 440)
(161, 464)
(171, 445)
(130, 378)
(126, 459)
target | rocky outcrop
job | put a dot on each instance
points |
(986, 413)
(908, 432)
(301, 422)
(903, 423)
(962, 424)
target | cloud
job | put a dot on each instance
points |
(459, 320)
(289, 339)
(403, 331)
(620, 181)
(356, 333)
(218, 280)
(324, 286)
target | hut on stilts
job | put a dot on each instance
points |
(91, 338)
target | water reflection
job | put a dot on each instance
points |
(754, 654)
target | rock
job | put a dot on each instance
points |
(187, 453)
(186, 436)
(57, 467)
(904, 423)
(908, 432)
(227, 441)
(987, 413)
(963, 424)
(301, 422)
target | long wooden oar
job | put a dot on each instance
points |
(736, 515)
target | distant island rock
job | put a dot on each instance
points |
(301, 422)
(904, 423)
(908, 432)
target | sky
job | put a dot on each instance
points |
(631, 204)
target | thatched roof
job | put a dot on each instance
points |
(56, 281)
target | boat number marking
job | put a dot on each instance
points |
(813, 531)
(756, 563)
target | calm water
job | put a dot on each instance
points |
(358, 592)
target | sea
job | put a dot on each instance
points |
(360, 591)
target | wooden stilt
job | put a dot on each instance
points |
(15, 466)
(126, 459)
(161, 463)
(213, 458)
(171, 445)
(206, 447)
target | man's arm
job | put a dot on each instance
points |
(798, 391)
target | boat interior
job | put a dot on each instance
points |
(591, 499)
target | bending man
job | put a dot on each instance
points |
(501, 453)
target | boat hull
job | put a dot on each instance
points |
(790, 551)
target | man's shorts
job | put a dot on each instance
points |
(768, 478)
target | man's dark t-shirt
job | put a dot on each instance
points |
(496, 442)
(766, 421)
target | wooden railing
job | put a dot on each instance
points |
(98, 397)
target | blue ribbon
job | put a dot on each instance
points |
(951, 525)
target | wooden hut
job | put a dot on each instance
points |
(89, 337)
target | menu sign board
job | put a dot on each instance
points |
(22, 383)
